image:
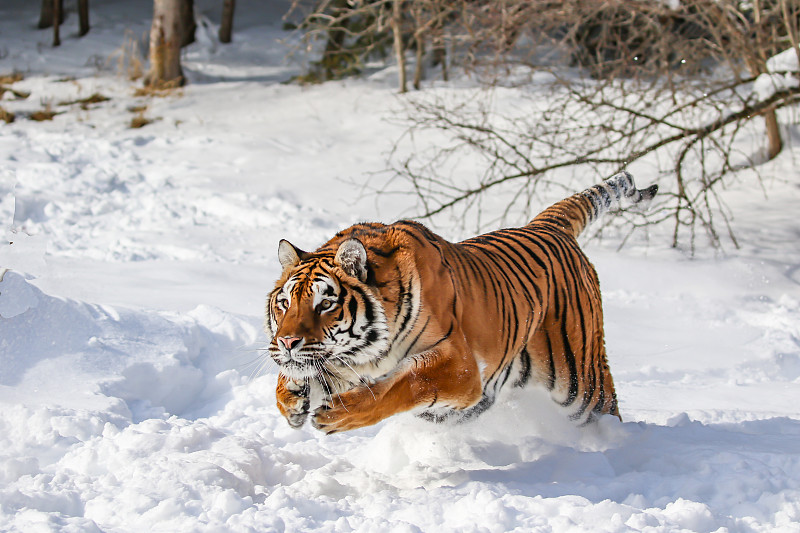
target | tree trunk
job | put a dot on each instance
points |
(226, 26)
(757, 64)
(57, 18)
(419, 68)
(188, 25)
(399, 49)
(46, 14)
(166, 36)
(83, 16)
(439, 51)
(774, 141)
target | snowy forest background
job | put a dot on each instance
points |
(151, 161)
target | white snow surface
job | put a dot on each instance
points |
(133, 395)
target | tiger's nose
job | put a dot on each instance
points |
(289, 342)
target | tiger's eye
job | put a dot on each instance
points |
(325, 304)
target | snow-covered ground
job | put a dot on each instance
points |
(132, 395)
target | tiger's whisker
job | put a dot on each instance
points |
(259, 370)
(339, 395)
(325, 385)
(361, 379)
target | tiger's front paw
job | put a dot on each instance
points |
(350, 410)
(332, 419)
(293, 400)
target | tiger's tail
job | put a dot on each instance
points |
(575, 213)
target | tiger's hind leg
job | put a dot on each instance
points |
(575, 372)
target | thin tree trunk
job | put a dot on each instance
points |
(188, 25)
(419, 68)
(439, 52)
(399, 50)
(46, 14)
(757, 64)
(165, 44)
(83, 16)
(57, 9)
(226, 26)
(774, 140)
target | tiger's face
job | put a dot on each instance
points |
(324, 319)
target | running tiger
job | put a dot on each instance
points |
(384, 319)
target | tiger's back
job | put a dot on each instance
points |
(463, 320)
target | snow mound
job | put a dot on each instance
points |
(157, 364)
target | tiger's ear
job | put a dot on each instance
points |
(289, 255)
(352, 257)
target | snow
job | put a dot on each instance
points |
(132, 392)
(784, 61)
(781, 74)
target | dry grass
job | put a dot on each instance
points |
(6, 116)
(42, 115)
(160, 90)
(19, 95)
(129, 58)
(95, 98)
(46, 113)
(140, 121)
(8, 79)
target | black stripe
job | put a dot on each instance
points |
(494, 258)
(602, 191)
(525, 370)
(501, 382)
(601, 400)
(522, 268)
(369, 307)
(472, 262)
(569, 357)
(441, 339)
(414, 342)
(559, 246)
(551, 383)
(381, 253)
(406, 302)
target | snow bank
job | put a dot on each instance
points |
(152, 425)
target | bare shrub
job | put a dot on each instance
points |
(676, 91)
(129, 58)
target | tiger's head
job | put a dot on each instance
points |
(324, 317)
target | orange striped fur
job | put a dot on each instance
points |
(384, 319)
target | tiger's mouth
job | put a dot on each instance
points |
(320, 364)
(309, 363)
(299, 371)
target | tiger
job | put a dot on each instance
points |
(385, 319)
